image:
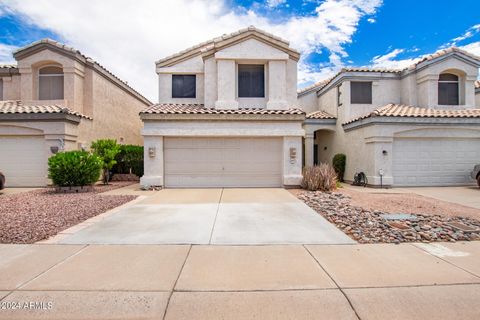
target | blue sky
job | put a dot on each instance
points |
(128, 36)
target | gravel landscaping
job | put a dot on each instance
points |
(394, 224)
(36, 215)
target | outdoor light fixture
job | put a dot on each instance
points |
(151, 152)
(53, 149)
(293, 155)
(384, 152)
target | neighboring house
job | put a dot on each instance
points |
(226, 115)
(413, 127)
(57, 99)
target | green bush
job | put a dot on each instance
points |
(74, 168)
(129, 160)
(339, 162)
(107, 150)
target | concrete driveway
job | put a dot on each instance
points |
(213, 216)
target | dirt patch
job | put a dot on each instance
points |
(408, 203)
(36, 215)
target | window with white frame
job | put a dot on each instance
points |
(448, 89)
(50, 83)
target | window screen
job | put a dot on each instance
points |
(183, 86)
(448, 89)
(251, 81)
(50, 83)
(361, 92)
(1, 89)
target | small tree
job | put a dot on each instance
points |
(338, 162)
(106, 149)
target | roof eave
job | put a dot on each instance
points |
(221, 117)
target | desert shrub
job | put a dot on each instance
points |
(129, 160)
(339, 160)
(322, 177)
(107, 150)
(74, 168)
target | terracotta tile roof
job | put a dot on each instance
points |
(400, 110)
(17, 107)
(317, 85)
(86, 59)
(441, 53)
(172, 108)
(197, 49)
(7, 66)
(320, 115)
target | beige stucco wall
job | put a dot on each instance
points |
(217, 74)
(308, 102)
(477, 99)
(115, 114)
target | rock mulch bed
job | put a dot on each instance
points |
(36, 215)
(371, 226)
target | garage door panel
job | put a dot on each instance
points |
(223, 162)
(431, 162)
(23, 160)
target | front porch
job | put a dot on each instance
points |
(317, 125)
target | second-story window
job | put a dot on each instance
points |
(360, 92)
(184, 86)
(339, 96)
(251, 81)
(1, 89)
(448, 89)
(50, 83)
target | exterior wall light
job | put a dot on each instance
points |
(385, 152)
(53, 149)
(151, 152)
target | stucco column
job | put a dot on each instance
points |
(292, 161)
(277, 85)
(153, 161)
(226, 85)
(309, 141)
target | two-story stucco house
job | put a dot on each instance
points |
(226, 115)
(56, 99)
(414, 127)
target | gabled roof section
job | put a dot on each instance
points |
(400, 110)
(228, 40)
(441, 54)
(320, 115)
(17, 107)
(73, 53)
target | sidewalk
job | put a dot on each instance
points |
(408, 281)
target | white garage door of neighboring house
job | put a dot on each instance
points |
(434, 162)
(23, 161)
(223, 162)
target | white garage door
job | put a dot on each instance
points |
(223, 162)
(23, 161)
(434, 162)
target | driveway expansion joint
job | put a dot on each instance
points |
(444, 260)
(56, 264)
(335, 282)
(216, 215)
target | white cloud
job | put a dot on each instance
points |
(389, 61)
(371, 20)
(6, 54)
(275, 3)
(473, 48)
(128, 36)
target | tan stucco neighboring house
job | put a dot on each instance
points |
(54, 99)
(226, 116)
(419, 126)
